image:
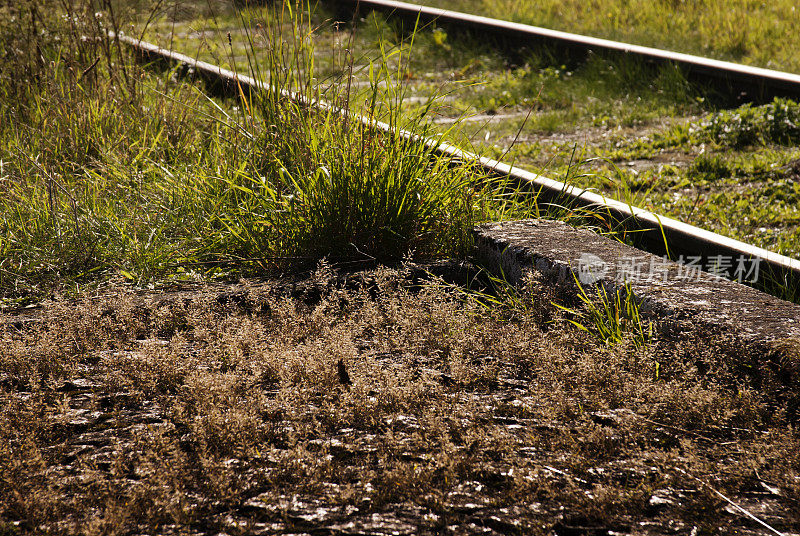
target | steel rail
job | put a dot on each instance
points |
(654, 231)
(741, 79)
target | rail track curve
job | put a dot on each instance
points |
(742, 83)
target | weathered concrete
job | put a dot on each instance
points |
(668, 290)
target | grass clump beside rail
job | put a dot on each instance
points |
(108, 168)
(773, 124)
(643, 134)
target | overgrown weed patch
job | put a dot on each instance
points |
(220, 409)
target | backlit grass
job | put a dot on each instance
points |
(113, 169)
(470, 75)
(634, 131)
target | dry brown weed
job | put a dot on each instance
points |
(221, 410)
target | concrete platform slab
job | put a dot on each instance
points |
(675, 294)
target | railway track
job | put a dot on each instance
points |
(653, 232)
(740, 83)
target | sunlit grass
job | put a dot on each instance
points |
(121, 171)
(745, 31)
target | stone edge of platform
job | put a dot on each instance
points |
(677, 302)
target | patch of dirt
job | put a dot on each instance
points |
(225, 409)
(677, 159)
(604, 135)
